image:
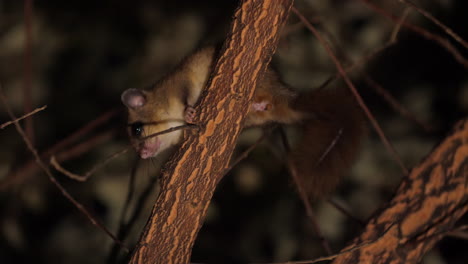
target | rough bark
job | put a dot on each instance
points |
(190, 178)
(425, 207)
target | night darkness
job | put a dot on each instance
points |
(86, 53)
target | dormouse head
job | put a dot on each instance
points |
(150, 112)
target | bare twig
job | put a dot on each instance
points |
(354, 91)
(27, 64)
(447, 30)
(141, 202)
(59, 186)
(303, 195)
(365, 59)
(403, 111)
(395, 104)
(23, 117)
(334, 256)
(85, 146)
(82, 178)
(396, 30)
(169, 130)
(330, 147)
(422, 32)
(308, 207)
(459, 232)
(84, 130)
(385, 94)
(359, 63)
(130, 192)
(246, 153)
(31, 167)
(124, 225)
(345, 212)
(290, 29)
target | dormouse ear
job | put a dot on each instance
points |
(133, 98)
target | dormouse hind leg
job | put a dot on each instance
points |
(261, 106)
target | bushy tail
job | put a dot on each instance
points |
(331, 137)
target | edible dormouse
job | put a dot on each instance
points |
(169, 103)
(329, 119)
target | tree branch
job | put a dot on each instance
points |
(190, 177)
(426, 206)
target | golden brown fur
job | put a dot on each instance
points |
(331, 123)
(330, 142)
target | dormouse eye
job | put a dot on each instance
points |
(136, 129)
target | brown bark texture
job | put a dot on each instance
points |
(190, 177)
(425, 207)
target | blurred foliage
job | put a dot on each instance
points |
(85, 53)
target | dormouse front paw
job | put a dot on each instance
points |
(189, 114)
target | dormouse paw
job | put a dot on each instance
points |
(189, 114)
(261, 106)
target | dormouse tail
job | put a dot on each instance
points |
(331, 136)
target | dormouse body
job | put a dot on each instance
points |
(169, 103)
(330, 121)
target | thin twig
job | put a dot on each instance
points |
(354, 91)
(345, 212)
(169, 130)
(130, 192)
(385, 94)
(27, 67)
(422, 32)
(334, 256)
(396, 30)
(403, 111)
(31, 167)
(365, 59)
(310, 213)
(330, 147)
(122, 230)
(447, 30)
(459, 232)
(85, 146)
(359, 63)
(303, 195)
(395, 104)
(82, 178)
(23, 117)
(125, 229)
(290, 29)
(59, 186)
(461, 228)
(82, 131)
(246, 153)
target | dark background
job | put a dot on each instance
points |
(85, 53)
